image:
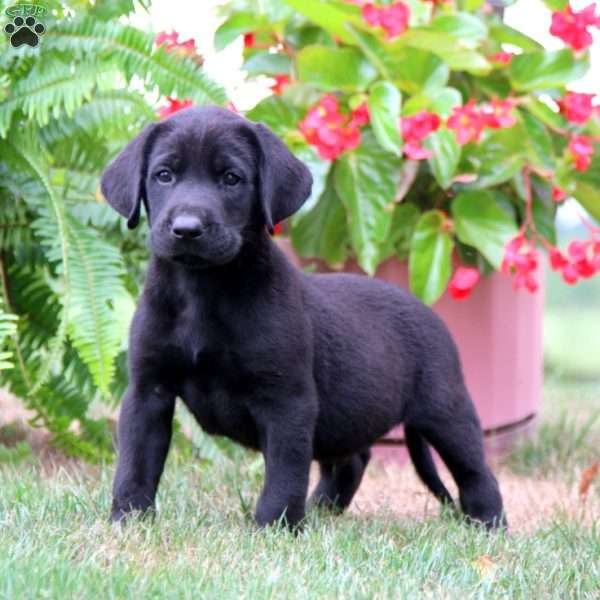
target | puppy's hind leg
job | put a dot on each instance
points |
(339, 482)
(452, 428)
(420, 455)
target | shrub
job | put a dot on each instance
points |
(433, 130)
(68, 272)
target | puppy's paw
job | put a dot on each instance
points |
(122, 514)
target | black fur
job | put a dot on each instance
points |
(298, 366)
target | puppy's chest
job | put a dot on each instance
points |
(218, 378)
(214, 353)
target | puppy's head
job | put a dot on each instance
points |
(207, 178)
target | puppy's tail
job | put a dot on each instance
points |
(420, 454)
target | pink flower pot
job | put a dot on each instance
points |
(498, 332)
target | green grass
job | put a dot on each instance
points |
(55, 541)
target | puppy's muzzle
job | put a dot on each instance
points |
(187, 227)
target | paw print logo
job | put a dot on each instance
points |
(24, 31)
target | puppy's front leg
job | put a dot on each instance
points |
(145, 427)
(287, 438)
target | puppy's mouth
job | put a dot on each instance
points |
(189, 260)
(214, 249)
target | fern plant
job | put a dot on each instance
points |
(68, 275)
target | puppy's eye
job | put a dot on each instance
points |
(230, 178)
(164, 176)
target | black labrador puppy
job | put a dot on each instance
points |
(298, 366)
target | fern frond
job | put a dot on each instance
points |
(54, 87)
(37, 305)
(133, 50)
(8, 328)
(21, 152)
(113, 115)
(100, 308)
(14, 222)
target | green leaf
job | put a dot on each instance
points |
(471, 5)
(440, 101)
(430, 262)
(456, 55)
(134, 52)
(587, 190)
(50, 90)
(266, 63)
(480, 222)
(446, 156)
(319, 170)
(589, 197)
(366, 180)
(468, 29)
(278, 115)
(236, 25)
(384, 110)
(300, 33)
(334, 69)
(556, 4)
(397, 243)
(544, 113)
(331, 15)
(411, 69)
(100, 308)
(497, 158)
(543, 70)
(543, 212)
(322, 232)
(22, 153)
(503, 34)
(416, 70)
(8, 328)
(539, 143)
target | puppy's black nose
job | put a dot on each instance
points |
(187, 227)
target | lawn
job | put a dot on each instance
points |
(55, 540)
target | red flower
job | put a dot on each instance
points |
(498, 114)
(558, 195)
(521, 260)
(581, 258)
(170, 39)
(330, 131)
(527, 281)
(280, 82)
(572, 27)
(172, 43)
(503, 58)
(360, 115)
(581, 150)
(414, 130)
(581, 261)
(467, 122)
(249, 40)
(569, 274)
(577, 108)
(173, 106)
(393, 19)
(277, 229)
(463, 281)
(557, 260)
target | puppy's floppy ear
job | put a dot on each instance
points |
(284, 181)
(122, 182)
